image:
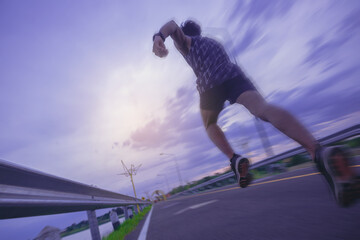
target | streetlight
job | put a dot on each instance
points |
(176, 165)
(166, 179)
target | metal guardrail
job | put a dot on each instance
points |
(338, 136)
(26, 192)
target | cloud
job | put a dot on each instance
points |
(151, 135)
(330, 100)
(350, 25)
(250, 18)
(34, 117)
(250, 36)
(257, 9)
(322, 50)
(325, 97)
(180, 117)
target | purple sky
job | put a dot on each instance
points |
(81, 89)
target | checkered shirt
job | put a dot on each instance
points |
(210, 63)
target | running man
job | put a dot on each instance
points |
(218, 80)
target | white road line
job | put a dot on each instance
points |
(195, 206)
(181, 211)
(202, 204)
(143, 232)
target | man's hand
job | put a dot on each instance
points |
(159, 47)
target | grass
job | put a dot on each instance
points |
(127, 226)
(300, 166)
(261, 174)
(74, 231)
(65, 234)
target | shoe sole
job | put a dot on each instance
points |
(342, 190)
(243, 167)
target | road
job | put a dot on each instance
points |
(296, 205)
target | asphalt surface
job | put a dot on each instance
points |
(293, 208)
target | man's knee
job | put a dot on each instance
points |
(209, 118)
(209, 123)
(255, 103)
(260, 111)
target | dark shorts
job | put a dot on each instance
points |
(214, 98)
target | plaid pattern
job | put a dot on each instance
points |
(210, 63)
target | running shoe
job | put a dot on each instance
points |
(240, 166)
(333, 163)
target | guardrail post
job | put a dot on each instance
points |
(126, 214)
(94, 228)
(136, 210)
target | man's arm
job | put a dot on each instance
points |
(181, 41)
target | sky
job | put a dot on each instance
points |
(81, 90)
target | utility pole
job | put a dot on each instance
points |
(130, 172)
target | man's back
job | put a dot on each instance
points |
(210, 62)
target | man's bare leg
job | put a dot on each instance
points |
(238, 164)
(332, 163)
(215, 133)
(279, 118)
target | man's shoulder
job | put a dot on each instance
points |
(202, 38)
(206, 40)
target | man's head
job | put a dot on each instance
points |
(191, 28)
